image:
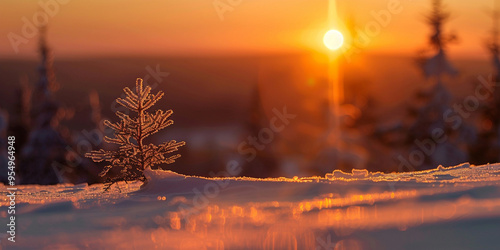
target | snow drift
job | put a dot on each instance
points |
(443, 208)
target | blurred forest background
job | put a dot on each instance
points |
(55, 107)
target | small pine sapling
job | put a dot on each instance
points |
(133, 156)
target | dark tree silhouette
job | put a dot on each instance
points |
(432, 104)
(487, 147)
(45, 148)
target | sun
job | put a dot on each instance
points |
(333, 39)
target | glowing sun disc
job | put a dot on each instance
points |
(333, 39)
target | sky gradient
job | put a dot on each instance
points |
(194, 27)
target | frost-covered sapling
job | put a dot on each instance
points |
(133, 156)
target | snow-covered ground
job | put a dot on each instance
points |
(443, 208)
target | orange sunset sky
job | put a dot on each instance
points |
(193, 27)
